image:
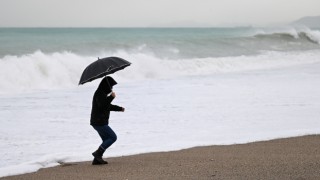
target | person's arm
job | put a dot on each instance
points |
(103, 101)
(116, 108)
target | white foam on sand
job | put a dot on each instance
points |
(44, 128)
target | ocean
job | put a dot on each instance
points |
(186, 87)
(53, 58)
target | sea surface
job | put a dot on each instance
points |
(53, 58)
(186, 87)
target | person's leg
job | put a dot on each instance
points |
(107, 135)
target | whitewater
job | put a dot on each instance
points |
(238, 86)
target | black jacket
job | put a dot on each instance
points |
(101, 103)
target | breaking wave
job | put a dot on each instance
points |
(39, 71)
(305, 34)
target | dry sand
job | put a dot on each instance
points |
(290, 158)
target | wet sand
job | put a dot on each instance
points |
(289, 158)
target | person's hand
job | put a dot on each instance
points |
(113, 94)
(123, 109)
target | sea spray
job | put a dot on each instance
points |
(41, 71)
(62, 70)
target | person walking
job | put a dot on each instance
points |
(100, 112)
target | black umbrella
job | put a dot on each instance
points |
(102, 67)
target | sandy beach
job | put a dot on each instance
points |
(288, 158)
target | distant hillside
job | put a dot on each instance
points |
(310, 21)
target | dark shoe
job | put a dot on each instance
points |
(98, 153)
(98, 162)
(98, 156)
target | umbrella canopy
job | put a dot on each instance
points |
(102, 67)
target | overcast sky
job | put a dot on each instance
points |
(146, 13)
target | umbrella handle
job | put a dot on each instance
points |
(107, 80)
(108, 83)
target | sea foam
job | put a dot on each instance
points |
(39, 71)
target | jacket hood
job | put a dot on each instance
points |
(107, 84)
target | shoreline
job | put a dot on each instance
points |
(285, 158)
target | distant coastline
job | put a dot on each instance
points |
(309, 21)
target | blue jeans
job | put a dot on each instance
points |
(107, 135)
